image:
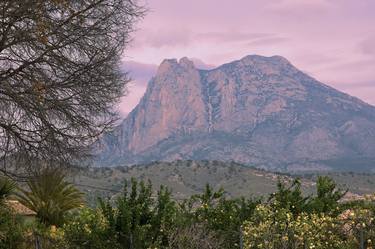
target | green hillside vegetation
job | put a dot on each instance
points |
(186, 178)
(358, 183)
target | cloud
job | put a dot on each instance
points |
(159, 38)
(367, 46)
(355, 65)
(230, 36)
(141, 72)
(268, 41)
(293, 4)
(198, 63)
(184, 38)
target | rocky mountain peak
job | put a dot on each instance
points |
(258, 110)
(186, 63)
(259, 58)
(167, 65)
(274, 65)
(174, 66)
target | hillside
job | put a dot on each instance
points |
(186, 178)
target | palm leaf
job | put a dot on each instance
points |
(50, 197)
(7, 188)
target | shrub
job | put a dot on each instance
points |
(137, 220)
(88, 229)
(223, 217)
(280, 228)
(11, 230)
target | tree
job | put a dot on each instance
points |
(50, 197)
(88, 229)
(289, 197)
(328, 196)
(137, 220)
(59, 75)
(194, 236)
(223, 217)
(280, 228)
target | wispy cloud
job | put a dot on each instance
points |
(159, 38)
(231, 36)
(198, 63)
(334, 40)
(268, 41)
(293, 4)
(185, 37)
(141, 72)
(367, 46)
(355, 65)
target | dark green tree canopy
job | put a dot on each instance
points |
(59, 73)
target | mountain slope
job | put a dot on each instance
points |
(259, 111)
(186, 178)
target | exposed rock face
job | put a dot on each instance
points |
(260, 111)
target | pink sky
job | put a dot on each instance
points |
(331, 40)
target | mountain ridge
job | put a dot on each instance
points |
(258, 111)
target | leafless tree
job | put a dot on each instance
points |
(59, 75)
(194, 236)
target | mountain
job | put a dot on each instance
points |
(259, 111)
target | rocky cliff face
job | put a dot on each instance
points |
(260, 111)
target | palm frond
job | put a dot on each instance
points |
(50, 197)
(7, 188)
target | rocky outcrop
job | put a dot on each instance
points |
(260, 111)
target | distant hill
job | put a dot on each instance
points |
(186, 178)
(259, 111)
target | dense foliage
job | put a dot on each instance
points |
(141, 218)
(11, 229)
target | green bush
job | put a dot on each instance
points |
(135, 220)
(277, 229)
(139, 218)
(223, 216)
(87, 229)
(12, 230)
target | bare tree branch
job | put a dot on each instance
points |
(59, 75)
